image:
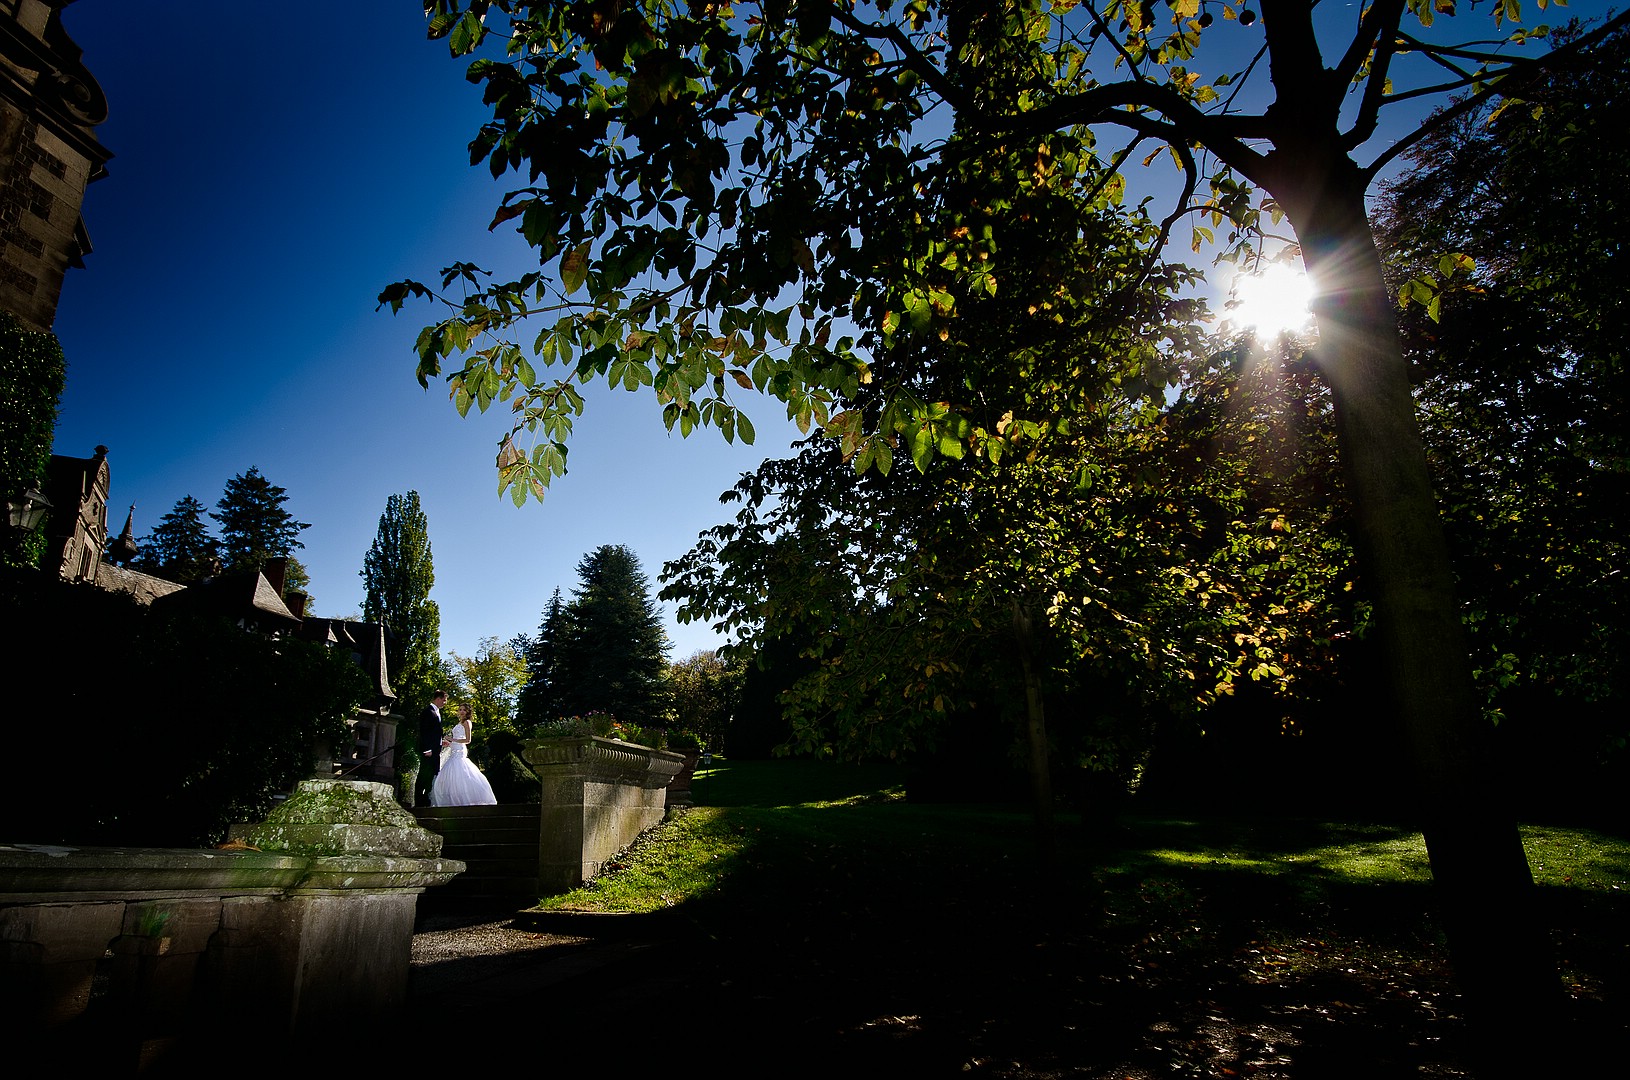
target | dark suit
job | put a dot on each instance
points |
(429, 764)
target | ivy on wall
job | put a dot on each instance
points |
(32, 373)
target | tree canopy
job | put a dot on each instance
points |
(254, 528)
(489, 682)
(609, 642)
(729, 192)
(539, 697)
(179, 548)
(1523, 402)
(705, 689)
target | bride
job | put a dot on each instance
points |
(460, 783)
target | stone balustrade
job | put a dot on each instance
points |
(119, 957)
(598, 795)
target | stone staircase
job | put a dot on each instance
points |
(498, 844)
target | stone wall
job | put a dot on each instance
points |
(49, 109)
(120, 958)
(598, 795)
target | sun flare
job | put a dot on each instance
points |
(1273, 302)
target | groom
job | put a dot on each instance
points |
(430, 744)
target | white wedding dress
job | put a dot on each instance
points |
(460, 783)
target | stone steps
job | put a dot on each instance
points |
(498, 845)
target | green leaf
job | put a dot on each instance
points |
(574, 267)
(466, 34)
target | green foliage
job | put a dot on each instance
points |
(736, 188)
(489, 681)
(705, 689)
(398, 574)
(602, 724)
(179, 548)
(686, 742)
(610, 648)
(254, 527)
(539, 697)
(190, 724)
(511, 779)
(1092, 541)
(1523, 403)
(32, 372)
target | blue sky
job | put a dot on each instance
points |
(275, 167)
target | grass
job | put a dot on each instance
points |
(769, 826)
(1164, 945)
(751, 814)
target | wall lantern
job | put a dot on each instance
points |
(26, 512)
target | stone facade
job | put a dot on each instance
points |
(49, 109)
(77, 529)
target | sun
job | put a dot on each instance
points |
(1272, 302)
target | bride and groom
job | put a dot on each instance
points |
(447, 776)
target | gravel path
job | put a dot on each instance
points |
(482, 963)
(449, 937)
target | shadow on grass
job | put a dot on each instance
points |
(850, 930)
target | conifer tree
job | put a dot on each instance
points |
(179, 548)
(539, 699)
(254, 526)
(612, 651)
(398, 574)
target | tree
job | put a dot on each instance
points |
(1524, 408)
(610, 658)
(814, 119)
(270, 701)
(1035, 582)
(180, 548)
(489, 682)
(704, 688)
(254, 527)
(539, 697)
(398, 574)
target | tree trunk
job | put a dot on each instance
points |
(1485, 892)
(1035, 727)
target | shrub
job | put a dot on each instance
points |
(165, 727)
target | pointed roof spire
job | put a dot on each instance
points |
(123, 549)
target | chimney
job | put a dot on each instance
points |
(274, 572)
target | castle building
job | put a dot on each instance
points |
(49, 108)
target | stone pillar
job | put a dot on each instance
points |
(347, 927)
(598, 795)
(113, 958)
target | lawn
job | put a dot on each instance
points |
(748, 811)
(1164, 945)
